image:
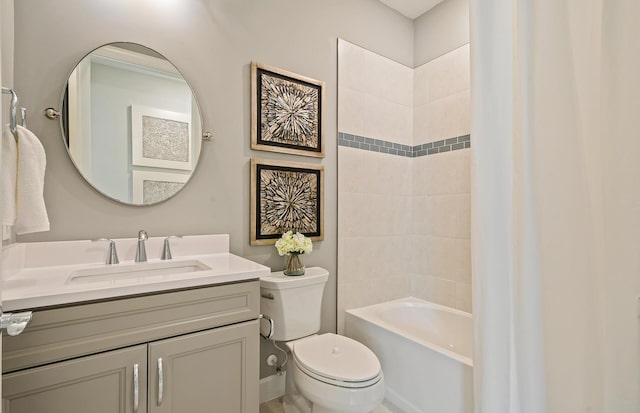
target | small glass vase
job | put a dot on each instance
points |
(293, 264)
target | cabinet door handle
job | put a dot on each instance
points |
(136, 389)
(160, 381)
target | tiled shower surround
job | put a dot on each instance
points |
(403, 180)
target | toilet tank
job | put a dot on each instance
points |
(294, 303)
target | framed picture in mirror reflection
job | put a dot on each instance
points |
(286, 112)
(160, 138)
(151, 187)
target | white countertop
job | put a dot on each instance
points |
(39, 274)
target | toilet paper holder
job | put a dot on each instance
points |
(271, 326)
(15, 323)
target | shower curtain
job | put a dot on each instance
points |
(555, 205)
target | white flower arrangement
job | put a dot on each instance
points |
(291, 243)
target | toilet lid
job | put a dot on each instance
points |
(337, 358)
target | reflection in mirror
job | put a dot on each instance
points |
(131, 124)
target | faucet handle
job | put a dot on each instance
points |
(112, 254)
(142, 235)
(166, 250)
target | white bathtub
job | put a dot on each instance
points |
(425, 350)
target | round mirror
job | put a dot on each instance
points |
(131, 124)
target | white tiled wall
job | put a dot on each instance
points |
(375, 95)
(441, 209)
(441, 270)
(403, 223)
(442, 103)
(374, 226)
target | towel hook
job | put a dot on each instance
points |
(13, 123)
(13, 108)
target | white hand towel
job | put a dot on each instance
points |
(31, 213)
(9, 169)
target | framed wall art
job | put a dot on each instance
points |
(160, 138)
(151, 187)
(286, 112)
(286, 196)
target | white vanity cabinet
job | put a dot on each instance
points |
(190, 351)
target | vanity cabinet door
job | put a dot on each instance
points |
(211, 371)
(102, 383)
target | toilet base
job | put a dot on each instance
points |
(326, 398)
(295, 402)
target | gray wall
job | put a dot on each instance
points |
(441, 30)
(211, 43)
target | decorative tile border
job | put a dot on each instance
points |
(374, 145)
(378, 145)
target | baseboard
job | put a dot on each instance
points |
(272, 387)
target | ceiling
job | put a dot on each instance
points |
(412, 8)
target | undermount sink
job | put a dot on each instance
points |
(57, 273)
(138, 270)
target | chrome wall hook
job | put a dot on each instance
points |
(13, 110)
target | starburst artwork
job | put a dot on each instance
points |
(287, 112)
(285, 196)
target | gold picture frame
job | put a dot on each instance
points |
(286, 112)
(286, 196)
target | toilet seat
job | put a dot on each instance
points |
(337, 360)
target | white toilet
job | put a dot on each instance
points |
(326, 373)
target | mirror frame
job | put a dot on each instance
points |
(62, 115)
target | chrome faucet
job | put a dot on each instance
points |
(166, 250)
(112, 254)
(141, 252)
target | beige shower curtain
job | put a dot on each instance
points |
(555, 205)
